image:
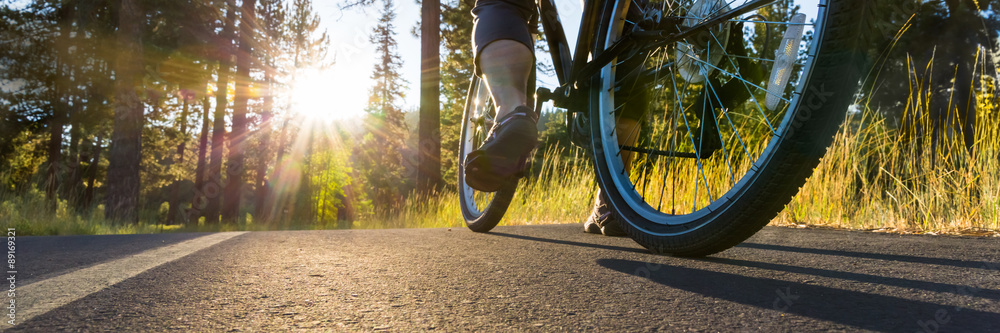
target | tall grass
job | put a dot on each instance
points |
(875, 176)
(878, 177)
(31, 214)
(563, 192)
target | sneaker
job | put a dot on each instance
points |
(601, 221)
(504, 155)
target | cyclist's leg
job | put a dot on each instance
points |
(503, 44)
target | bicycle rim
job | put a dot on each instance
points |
(700, 155)
(481, 210)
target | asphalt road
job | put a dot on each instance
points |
(534, 278)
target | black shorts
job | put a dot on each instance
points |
(495, 20)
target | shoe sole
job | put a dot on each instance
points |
(495, 165)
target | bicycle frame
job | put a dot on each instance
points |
(571, 72)
(565, 65)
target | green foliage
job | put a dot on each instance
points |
(332, 179)
(380, 150)
(22, 163)
(56, 72)
(456, 73)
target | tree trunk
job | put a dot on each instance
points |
(55, 147)
(278, 201)
(214, 185)
(198, 203)
(126, 140)
(95, 159)
(176, 191)
(236, 170)
(73, 186)
(303, 207)
(262, 209)
(60, 104)
(429, 131)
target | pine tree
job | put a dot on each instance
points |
(456, 72)
(307, 48)
(126, 142)
(380, 152)
(272, 21)
(244, 61)
(214, 186)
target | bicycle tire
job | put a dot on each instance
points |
(811, 117)
(481, 211)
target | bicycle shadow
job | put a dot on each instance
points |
(572, 243)
(852, 308)
(877, 256)
(860, 277)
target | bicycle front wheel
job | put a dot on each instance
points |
(732, 119)
(482, 210)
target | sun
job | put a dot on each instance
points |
(326, 95)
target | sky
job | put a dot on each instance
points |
(355, 55)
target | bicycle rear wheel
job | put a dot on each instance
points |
(722, 146)
(482, 210)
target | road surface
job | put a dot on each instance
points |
(534, 278)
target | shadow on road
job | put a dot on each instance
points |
(893, 257)
(860, 277)
(852, 308)
(565, 242)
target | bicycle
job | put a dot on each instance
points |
(723, 146)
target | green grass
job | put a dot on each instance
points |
(30, 215)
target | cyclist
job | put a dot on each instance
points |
(503, 44)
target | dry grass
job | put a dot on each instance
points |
(872, 178)
(562, 193)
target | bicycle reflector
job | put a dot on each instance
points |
(784, 59)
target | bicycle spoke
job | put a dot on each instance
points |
(701, 168)
(704, 106)
(754, 98)
(735, 130)
(736, 76)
